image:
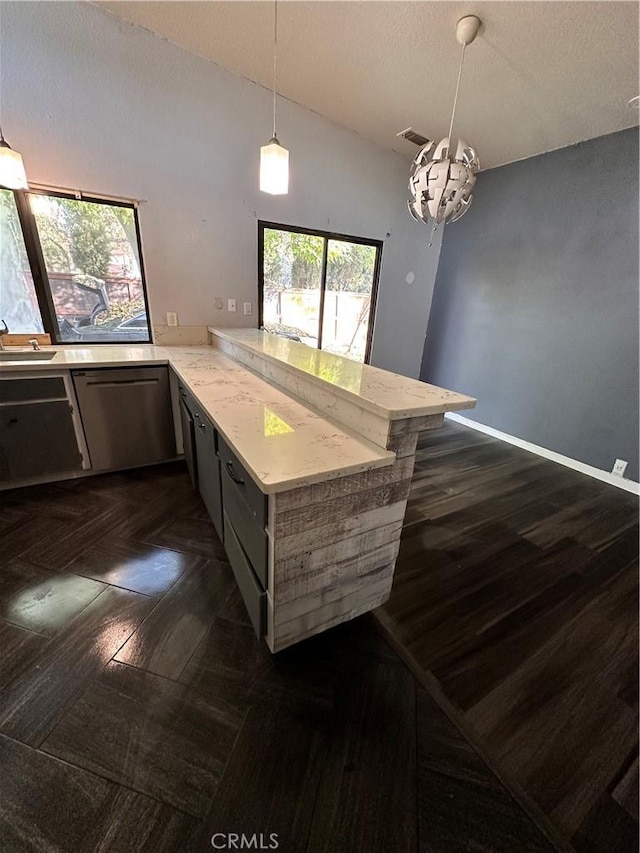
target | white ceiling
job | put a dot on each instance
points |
(541, 75)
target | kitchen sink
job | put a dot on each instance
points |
(24, 354)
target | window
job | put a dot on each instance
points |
(319, 288)
(18, 302)
(71, 266)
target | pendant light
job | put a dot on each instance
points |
(12, 174)
(442, 176)
(274, 159)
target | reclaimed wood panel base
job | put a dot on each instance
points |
(333, 546)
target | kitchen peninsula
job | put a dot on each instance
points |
(303, 458)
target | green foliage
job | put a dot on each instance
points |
(125, 217)
(294, 260)
(55, 244)
(91, 233)
(81, 236)
(272, 258)
(350, 266)
(307, 249)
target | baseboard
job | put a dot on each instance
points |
(589, 470)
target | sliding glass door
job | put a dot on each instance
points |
(319, 288)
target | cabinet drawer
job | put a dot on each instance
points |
(253, 595)
(251, 494)
(252, 536)
(46, 388)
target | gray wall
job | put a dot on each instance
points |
(535, 309)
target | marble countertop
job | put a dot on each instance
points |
(379, 391)
(282, 443)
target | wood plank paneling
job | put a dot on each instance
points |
(294, 568)
(326, 579)
(342, 531)
(337, 509)
(318, 493)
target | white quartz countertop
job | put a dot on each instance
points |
(281, 442)
(379, 391)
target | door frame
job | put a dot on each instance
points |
(326, 235)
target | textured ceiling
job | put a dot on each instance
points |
(541, 75)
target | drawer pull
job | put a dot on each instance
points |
(201, 426)
(233, 475)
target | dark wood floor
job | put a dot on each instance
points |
(139, 713)
(516, 593)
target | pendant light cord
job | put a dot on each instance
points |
(455, 99)
(275, 62)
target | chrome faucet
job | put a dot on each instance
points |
(3, 332)
(34, 343)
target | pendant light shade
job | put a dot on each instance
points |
(274, 168)
(274, 159)
(12, 173)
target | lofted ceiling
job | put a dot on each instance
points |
(541, 75)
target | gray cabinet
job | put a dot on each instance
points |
(248, 529)
(253, 595)
(245, 537)
(208, 466)
(37, 435)
(236, 505)
(254, 499)
(189, 442)
(38, 388)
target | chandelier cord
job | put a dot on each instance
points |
(275, 62)
(455, 99)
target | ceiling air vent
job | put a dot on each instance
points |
(411, 136)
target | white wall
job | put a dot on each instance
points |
(99, 105)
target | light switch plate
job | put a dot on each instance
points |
(172, 318)
(247, 308)
(231, 304)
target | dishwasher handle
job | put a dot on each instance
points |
(116, 383)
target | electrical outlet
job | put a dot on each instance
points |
(619, 467)
(172, 318)
(231, 304)
(247, 308)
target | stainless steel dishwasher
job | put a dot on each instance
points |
(126, 415)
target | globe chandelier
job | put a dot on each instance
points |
(443, 175)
